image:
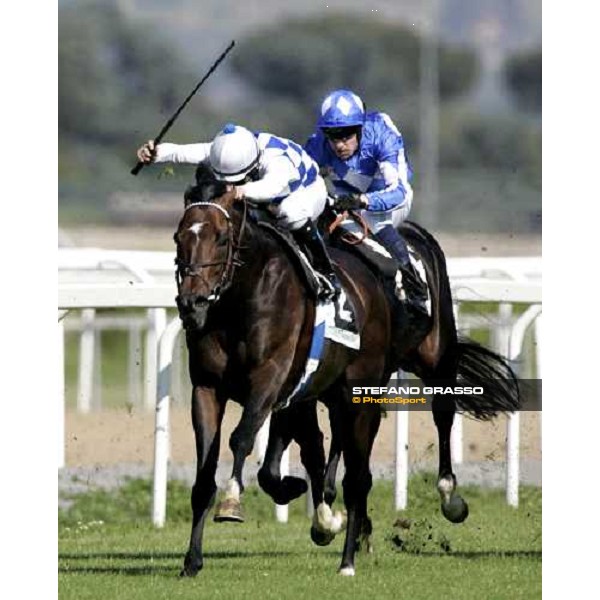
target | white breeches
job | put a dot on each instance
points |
(378, 220)
(303, 204)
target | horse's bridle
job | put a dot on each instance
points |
(185, 269)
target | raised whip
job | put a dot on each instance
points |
(140, 165)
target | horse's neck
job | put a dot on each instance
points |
(255, 245)
(257, 248)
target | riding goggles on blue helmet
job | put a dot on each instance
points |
(340, 133)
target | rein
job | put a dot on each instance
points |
(350, 238)
(185, 269)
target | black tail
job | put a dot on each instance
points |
(478, 366)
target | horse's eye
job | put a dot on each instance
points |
(222, 238)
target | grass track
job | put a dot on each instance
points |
(495, 554)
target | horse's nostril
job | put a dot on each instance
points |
(184, 302)
(190, 302)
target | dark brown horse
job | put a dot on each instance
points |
(248, 319)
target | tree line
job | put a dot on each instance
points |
(119, 80)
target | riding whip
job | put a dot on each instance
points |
(140, 165)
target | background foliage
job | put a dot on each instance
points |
(523, 73)
(120, 78)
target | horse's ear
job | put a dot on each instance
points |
(188, 196)
(204, 174)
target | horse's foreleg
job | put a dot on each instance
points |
(335, 453)
(207, 414)
(454, 508)
(359, 431)
(326, 523)
(264, 389)
(308, 436)
(241, 443)
(282, 490)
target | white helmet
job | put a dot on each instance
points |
(234, 153)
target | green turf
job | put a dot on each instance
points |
(109, 550)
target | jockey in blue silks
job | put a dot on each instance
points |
(363, 156)
(266, 169)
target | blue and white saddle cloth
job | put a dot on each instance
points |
(334, 321)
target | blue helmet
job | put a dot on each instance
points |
(342, 108)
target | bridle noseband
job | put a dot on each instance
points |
(185, 269)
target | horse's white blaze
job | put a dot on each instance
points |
(196, 227)
(347, 571)
(232, 491)
(325, 520)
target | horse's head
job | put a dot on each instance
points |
(205, 249)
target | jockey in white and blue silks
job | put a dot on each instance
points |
(265, 169)
(378, 168)
(365, 159)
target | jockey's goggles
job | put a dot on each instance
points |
(340, 133)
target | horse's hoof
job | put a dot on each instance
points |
(347, 571)
(321, 538)
(293, 487)
(457, 510)
(189, 568)
(229, 510)
(282, 491)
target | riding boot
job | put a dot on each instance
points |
(309, 239)
(414, 287)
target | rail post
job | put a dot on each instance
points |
(87, 347)
(61, 393)
(161, 431)
(456, 433)
(401, 464)
(517, 336)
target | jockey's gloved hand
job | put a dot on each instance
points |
(349, 202)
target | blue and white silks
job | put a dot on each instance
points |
(380, 169)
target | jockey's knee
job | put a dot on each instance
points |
(294, 216)
(291, 223)
(300, 206)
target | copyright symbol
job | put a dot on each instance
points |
(356, 399)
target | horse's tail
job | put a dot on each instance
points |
(480, 367)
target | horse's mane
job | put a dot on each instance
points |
(207, 187)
